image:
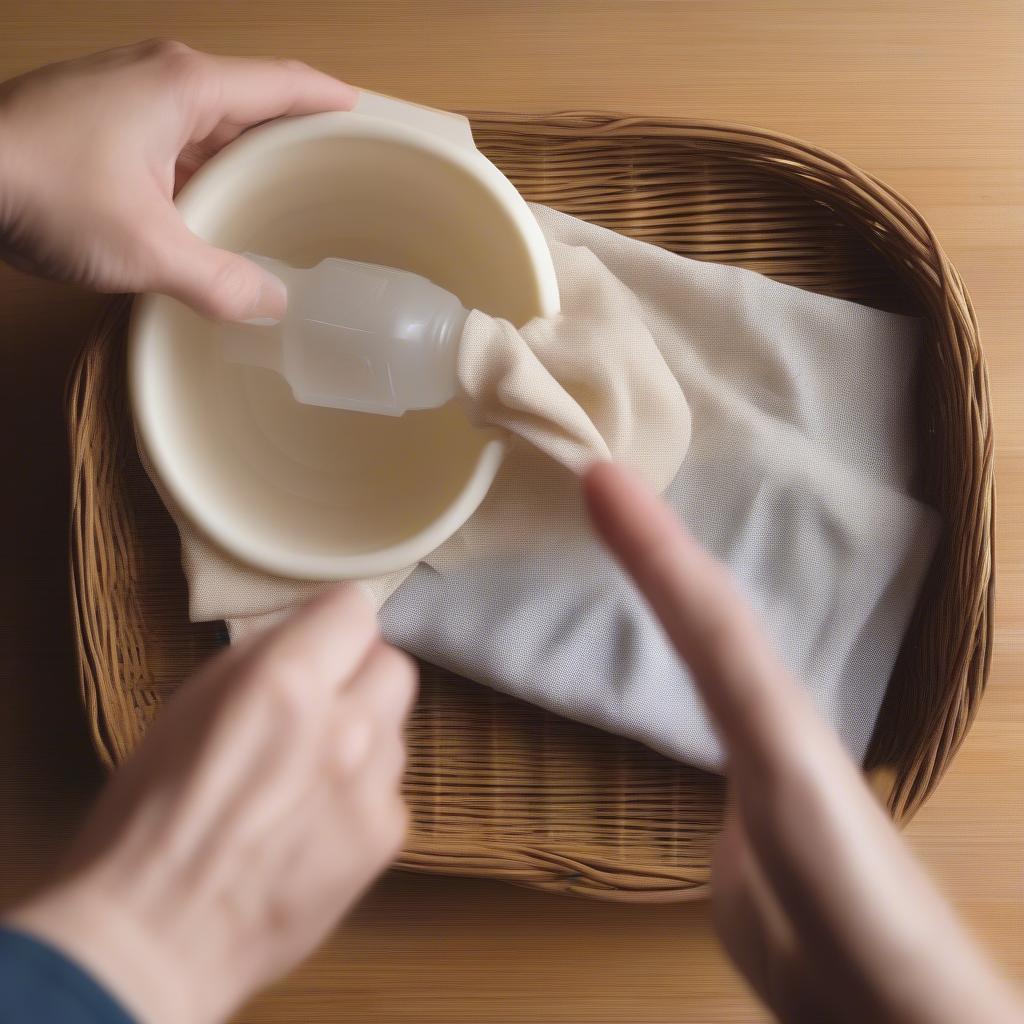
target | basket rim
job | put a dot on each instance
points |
(816, 170)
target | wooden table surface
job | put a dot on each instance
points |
(926, 95)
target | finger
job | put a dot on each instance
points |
(276, 701)
(850, 888)
(385, 684)
(780, 754)
(370, 713)
(217, 284)
(242, 91)
(758, 709)
(383, 689)
(317, 649)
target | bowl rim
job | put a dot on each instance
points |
(207, 516)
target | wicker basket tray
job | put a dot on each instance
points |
(501, 789)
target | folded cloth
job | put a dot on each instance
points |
(590, 384)
(798, 477)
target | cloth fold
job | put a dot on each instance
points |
(798, 477)
(589, 385)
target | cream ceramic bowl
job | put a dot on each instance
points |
(315, 493)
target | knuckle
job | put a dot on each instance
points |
(190, 73)
(292, 66)
(283, 680)
(177, 59)
(160, 46)
(280, 913)
(349, 747)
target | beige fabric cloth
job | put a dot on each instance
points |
(588, 385)
(798, 477)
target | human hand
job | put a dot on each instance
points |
(259, 806)
(93, 150)
(816, 898)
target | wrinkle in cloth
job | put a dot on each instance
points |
(794, 413)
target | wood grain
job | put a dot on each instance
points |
(925, 95)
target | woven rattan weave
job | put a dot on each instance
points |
(501, 789)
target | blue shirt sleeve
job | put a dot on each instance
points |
(39, 985)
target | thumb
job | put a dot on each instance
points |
(217, 284)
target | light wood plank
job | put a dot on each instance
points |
(924, 94)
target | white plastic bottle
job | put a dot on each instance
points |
(357, 336)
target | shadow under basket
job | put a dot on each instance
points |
(501, 789)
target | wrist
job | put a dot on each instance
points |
(102, 937)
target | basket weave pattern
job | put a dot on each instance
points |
(501, 789)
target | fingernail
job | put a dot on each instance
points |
(271, 303)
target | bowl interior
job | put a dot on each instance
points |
(261, 472)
